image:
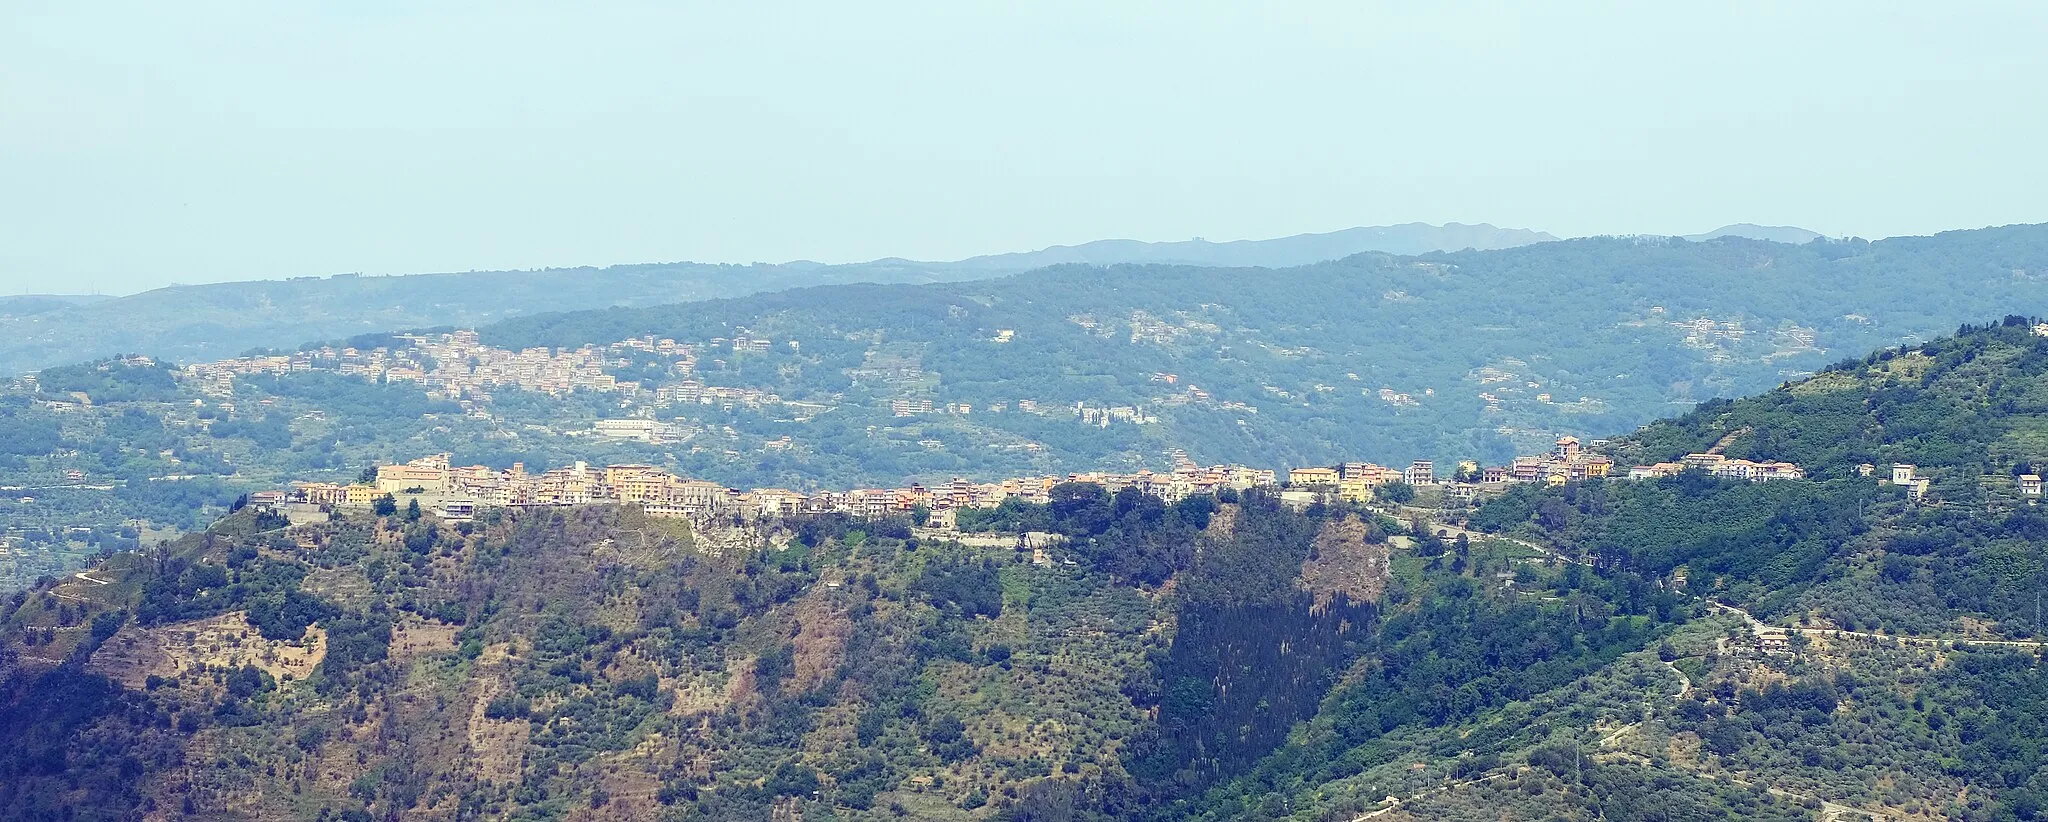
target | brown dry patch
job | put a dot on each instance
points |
(343, 586)
(820, 641)
(1975, 628)
(740, 685)
(129, 657)
(133, 655)
(497, 747)
(632, 788)
(1342, 562)
(414, 636)
(1223, 523)
(340, 761)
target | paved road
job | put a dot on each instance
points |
(1394, 803)
(1453, 531)
(1759, 627)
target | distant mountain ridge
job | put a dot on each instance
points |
(18, 305)
(1436, 356)
(1301, 249)
(193, 322)
(1792, 235)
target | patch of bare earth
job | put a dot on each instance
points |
(133, 655)
(414, 637)
(1343, 562)
(1223, 523)
(820, 641)
(497, 747)
(344, 586)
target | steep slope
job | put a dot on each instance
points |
(1686, 647)
(597, 664)
(1863, 649)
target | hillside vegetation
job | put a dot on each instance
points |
(187, 322)
(1683, 648)
(190, 322)
(593, 662)
(1472, 355)
(1448, 356)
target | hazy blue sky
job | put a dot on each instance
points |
(145, 143)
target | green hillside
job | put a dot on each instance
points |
(1681, 648)
(1473, 355)
(1449, 356)
(189, 322)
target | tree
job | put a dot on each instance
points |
(107, 624)
(1468, 471)
(412, 511)
(1396, 492)
(384, 506)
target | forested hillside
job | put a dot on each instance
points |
(1451, 356)
(188, 322)
(1680, 648)
(1475, 355)
(596, 663)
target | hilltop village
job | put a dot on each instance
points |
(458, 367)
(457, 492)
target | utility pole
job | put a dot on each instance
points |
(1578, 777)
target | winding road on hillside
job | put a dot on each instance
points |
(1761, 628)
(1453, 532)
(1829, 811)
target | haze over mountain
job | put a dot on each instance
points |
(930, 522)
(1469, 353)
(1792, 235)
(1300, 249)
(186, 322)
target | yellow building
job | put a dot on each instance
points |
(360, 495)
(322, 493)
(636, 483)
(1355, 489)
(1312, 477)
(429, 474)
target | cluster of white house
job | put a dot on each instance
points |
(1568, 461)
(455, 366)
(458, 366)
(458, 492)
(1908, 476)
